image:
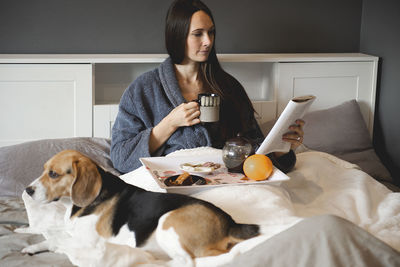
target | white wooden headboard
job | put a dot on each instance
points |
(332, 83)
(93, 94)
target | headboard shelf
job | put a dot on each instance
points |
(157, 58)
(89, 83)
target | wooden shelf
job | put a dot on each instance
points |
(155, 58)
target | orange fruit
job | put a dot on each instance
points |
(258, 167)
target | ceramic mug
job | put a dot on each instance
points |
(209, 107)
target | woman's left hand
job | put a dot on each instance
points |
(295, 134)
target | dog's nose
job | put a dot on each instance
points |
(30, 190)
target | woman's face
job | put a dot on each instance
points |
(200, 38)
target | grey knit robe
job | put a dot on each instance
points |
(143, 105)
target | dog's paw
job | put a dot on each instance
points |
(36, 248)
(24, 230)
(31, 250)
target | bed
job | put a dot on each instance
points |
(337, 173)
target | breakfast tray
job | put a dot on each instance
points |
(160, 168)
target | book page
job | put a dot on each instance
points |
(295, 109)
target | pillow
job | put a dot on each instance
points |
(341, 131)
(337, 130)
(21, 164)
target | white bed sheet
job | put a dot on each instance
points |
(319, 184)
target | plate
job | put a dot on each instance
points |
(199, 167)
(192, 180)
(161, 168)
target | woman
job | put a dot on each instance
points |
(156, 115)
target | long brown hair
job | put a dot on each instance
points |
(235, 105)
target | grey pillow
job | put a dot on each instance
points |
(21, 164)
(337, 130)
(341, 131)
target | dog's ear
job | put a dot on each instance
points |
(87, 184)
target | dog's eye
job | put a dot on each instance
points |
(53, 174)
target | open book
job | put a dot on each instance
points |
(295, 109)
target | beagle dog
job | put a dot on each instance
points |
(181, 225)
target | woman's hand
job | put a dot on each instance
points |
(295, 134)
(186, 114)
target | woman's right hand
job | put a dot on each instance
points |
(186, 114)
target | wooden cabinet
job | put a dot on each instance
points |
(56, 96)
(40, 101)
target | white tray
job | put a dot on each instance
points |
(161, 168)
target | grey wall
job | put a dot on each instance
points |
(137, 26)
(380, 36)
(82, 26)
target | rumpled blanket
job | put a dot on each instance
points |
(319, 184)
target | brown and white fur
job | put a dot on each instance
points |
(184, 227)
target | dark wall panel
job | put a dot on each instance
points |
(137, 26)
(287, 26)
(82, 26)
(380, 36)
